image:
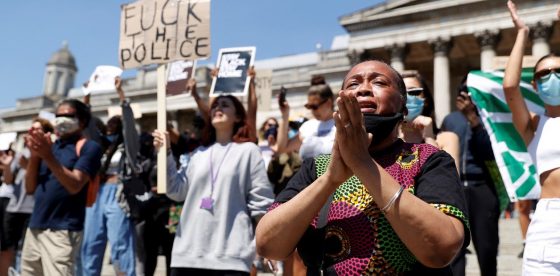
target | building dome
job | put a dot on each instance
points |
(63, 58)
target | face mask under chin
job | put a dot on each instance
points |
(381, 126)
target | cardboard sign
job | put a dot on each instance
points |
(178, 73)
(6, 139)
(233, 66)
(160, 31)
(263, 87)
(102, 79)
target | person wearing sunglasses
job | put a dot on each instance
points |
(316, 136)
(540, 133)
(58, 176)
(419, 124)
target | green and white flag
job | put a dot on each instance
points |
(514, 163)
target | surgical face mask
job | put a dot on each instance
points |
(415, 105)
(549, 89)
(66, 125)
(111, 138)
(381, 126)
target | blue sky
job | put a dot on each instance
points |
(33, 30)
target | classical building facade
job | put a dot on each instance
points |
(445, 39)
(442, 39)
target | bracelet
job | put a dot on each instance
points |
(393, 200)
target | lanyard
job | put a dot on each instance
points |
(214, 177)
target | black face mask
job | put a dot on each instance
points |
(381, 126)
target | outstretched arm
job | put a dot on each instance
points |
(522, 118)
(283, 143)
(202, 105)
(252, 106)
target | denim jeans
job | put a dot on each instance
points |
(106, 220)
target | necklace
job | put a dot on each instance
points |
(208, 202)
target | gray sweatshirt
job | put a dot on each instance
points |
(221, 238)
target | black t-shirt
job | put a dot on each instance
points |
(476, 148)
(357, 237)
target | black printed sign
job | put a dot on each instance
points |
(233, 66)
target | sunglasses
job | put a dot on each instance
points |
(65, 115)
(315, 106)
(546, 73)
(415, 91)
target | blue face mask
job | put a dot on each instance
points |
(415, 105)
(549, 89)
(111, 138)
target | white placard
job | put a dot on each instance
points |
(102, 79)
(47, 115)
(6, 139)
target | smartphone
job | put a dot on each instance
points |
(282, 96)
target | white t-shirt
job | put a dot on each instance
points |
(6, 190)
(317, 137)
(266, 152)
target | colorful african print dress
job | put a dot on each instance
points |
(358, 239)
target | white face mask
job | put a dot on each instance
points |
(65, 125)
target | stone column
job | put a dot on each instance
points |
(487, 41)
(442, 97)
(540, 34)
(398, 52)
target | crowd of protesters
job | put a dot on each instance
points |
(369, 184)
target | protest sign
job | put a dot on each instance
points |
(6, 139)
(47, 116)
(102, 79)
(514, 163)
(160, 31)
(178, 73)
(263, 87)
(233, 66)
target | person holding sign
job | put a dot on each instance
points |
(106, 220)
(540, 134)
(225, 191)
(205, 109)
(376, 205)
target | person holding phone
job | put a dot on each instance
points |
(540, 133)
(476, 164)
(316, 136)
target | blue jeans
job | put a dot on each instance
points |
(106, 220)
